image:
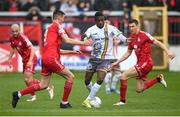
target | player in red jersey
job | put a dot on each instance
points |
(141, 44)
(26, 50)
(51, 63)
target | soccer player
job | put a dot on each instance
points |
(101, 36)
(141, 44)
(51, 63)
(24, 47)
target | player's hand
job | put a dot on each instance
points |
(10, 63)
(129, 40)
(171, 55)
(29, 64)
(77, 52)
(113, 64)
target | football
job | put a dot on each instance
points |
(96, 103)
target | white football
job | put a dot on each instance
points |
(96, 102)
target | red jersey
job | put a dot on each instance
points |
(53, 40)
(141, 44)
(21, 44)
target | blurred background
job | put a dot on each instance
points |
(160, 18)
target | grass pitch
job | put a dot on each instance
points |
(155, 101)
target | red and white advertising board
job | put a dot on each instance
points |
(4, 55)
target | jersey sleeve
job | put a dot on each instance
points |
(61, 31)
(11, 44)
(88, 33)
(26, 42)
(119, 34)
(130, 47)
(149, 38)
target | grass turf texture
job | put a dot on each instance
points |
(155, 101)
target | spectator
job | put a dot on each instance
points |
(58, 4)
(84, 5)
(34, 14)
(69, 6)
(101, 5)
(28, 5)
(12, 5)
(43, 5)
(52, 7)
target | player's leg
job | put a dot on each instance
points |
(143, 85)
(107, 82)
(88, 78)
(131, 72)
(28, 79)
(35, 87)
(143, 70)
(88, 83)
(95, 88)
(67, 87)
(90, 70)
(101, 66)
(115, 79)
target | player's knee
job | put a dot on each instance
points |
(123, 76)
(138, 90)
(27, 80)
(70, 77)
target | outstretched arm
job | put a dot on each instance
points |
(31, 56)
(10, 56)
(69, 51)
(161, 45)
(124, 57)
(68, 40)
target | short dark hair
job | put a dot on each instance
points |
(133, 21)
(98, 13)
(57, 13)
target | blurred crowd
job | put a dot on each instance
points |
(83, 5)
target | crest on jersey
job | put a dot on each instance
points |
(138, 39)
(20, 43)
(135, 46)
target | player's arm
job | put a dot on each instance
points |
(32, 52)
(70, 51)
(161, 45)
(124, 57)
(68, 40)
(11, 55)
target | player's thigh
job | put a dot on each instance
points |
(89, 75)
(130, 73)
(45, 81)
(66, 73)
(139, 85)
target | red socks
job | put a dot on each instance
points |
(67, 90)
(150, 83)
(30, 89)
(123, 89)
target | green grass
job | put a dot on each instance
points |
(155, 101)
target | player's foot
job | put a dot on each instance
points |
(68, 105)
(108, 91)
(51, 92)
(86, 103)
(119, 103)
(116, 91)
(15, 99)
(32, 98)
(161, 80)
